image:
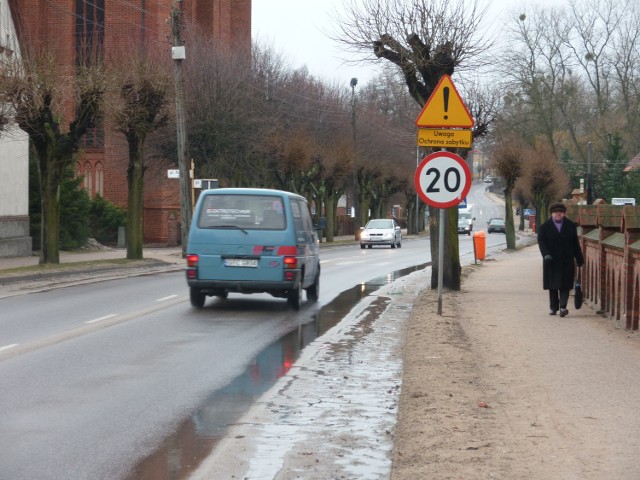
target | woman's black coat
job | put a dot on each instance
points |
(564, 247)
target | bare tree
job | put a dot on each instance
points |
(507, 159)
(424, 40)
(546, 180)
(138, 106)
(574, 79)
(42, 94)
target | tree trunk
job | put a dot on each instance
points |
(330, 213)
(135, 180)
(51, 173)
(510, 232)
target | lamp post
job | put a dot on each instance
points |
(356, 220)
(589, 196)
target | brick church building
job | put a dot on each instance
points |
(113, 26)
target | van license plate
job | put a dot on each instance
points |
(241, 262)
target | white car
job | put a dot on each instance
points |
(381, 231)
(465, 222)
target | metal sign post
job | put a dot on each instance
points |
(440, 259)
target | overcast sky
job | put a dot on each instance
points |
(296, 27)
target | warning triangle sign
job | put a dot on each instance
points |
(445, 108)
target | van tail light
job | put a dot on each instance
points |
(290, 262)
(192, 267)
(192, 260)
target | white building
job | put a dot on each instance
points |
(14, 165)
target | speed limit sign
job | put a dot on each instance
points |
(442, 179)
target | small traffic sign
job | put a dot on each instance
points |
(442, 179)
(445, 108)
(444, 138)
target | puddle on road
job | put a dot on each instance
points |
(181, 453)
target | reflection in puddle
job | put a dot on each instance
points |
(181, 453)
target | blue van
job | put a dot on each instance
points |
(252, 240)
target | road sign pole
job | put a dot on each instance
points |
(417, 194)
(440, 260)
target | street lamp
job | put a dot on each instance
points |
(356, 223)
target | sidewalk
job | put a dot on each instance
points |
(497, 388)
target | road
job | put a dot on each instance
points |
(95, 377)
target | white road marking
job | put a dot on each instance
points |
(101, 318)
(164, 299)
(7, 347)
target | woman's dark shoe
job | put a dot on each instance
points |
(552, 312)
(564, 312)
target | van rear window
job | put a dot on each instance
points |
(259, 212)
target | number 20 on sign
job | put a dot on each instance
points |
(442, 179)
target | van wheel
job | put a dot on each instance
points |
(294, 297)
(313, 292)
(197, 297)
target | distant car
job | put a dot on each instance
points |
(496, 225)
(465, 222)
(488, 179)
(381, 231)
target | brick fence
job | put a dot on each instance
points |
(610, 238)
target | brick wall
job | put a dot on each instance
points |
(128, 26)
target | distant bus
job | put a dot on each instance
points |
(623, 201)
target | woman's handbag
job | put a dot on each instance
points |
(577, 299)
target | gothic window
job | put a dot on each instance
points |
(89, 31)
(94, 138)
(87, 177)
(89, 45)
(99, 186)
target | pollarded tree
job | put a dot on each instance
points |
(137, 108)
(545, 179)
(507, 160)
(424, 40)
(41, 95)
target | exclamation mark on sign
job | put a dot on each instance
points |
(445, 93)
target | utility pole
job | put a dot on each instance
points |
(178, 55)
(356, 219)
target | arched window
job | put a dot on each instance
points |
(99, 187)
(87, 180)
